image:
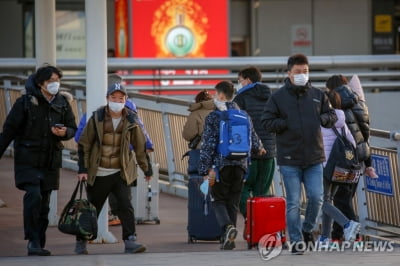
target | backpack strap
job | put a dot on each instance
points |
(337, 132)
(342, 136)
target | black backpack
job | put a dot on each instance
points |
(342, 165)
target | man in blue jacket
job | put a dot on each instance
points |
(295, 113)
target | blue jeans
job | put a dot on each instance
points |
(311, 177)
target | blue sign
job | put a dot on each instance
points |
(383, 184)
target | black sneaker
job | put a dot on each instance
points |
(298, 248)
(229, 238)
(309, 240)
(34, 249)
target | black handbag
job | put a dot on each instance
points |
(79, 216)
(194, 142)
(343, 165)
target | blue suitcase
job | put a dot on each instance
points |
(202, 223)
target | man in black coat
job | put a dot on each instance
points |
(296, 112)
(252, 96)
(38, 122)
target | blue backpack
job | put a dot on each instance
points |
(234, 134)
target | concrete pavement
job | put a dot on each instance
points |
(166, 242)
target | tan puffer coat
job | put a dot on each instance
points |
(195, 121)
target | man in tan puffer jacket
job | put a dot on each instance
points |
(109, 165)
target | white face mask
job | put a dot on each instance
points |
(53, 87)
(239, 86)
(300, 79)
(116, 107)
(220, 105)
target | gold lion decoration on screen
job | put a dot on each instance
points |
(179, 29)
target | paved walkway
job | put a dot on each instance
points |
(166, 242)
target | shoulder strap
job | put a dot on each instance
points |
(341, 137)
(336, 132)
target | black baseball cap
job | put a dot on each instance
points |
(116, 87)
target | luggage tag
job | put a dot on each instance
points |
(204, 189)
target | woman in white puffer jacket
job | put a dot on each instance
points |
(329, 211)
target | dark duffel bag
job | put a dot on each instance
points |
(79, 216)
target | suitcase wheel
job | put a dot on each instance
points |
(191, 240)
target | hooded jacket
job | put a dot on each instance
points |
(296, 114)
(357, 120)
(90, 142)
(37, 151)
(253, 98)
(195, 121)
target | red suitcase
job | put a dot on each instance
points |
(265, 216)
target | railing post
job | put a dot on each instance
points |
(362, 207)
(7, 88)
(53, 217)
(277, 180)
(169, 148)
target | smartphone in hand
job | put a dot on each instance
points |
(59, 125)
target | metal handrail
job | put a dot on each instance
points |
(376, 71)
(231, 63)
(233, 76)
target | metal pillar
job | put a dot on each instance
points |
(254, 10)
(96, 82)
(45, 32)
(45, 49)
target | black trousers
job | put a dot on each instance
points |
(98, 193)
(343, 200)
(36, 211)
(226, 194)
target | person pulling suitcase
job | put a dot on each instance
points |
(227, 139)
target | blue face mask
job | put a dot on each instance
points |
(204, 187)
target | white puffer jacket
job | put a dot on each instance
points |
(329, 135)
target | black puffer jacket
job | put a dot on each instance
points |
(253, 98)
(37, 150)
(357, 120)
(295, 114)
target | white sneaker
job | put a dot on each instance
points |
(350, 232)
